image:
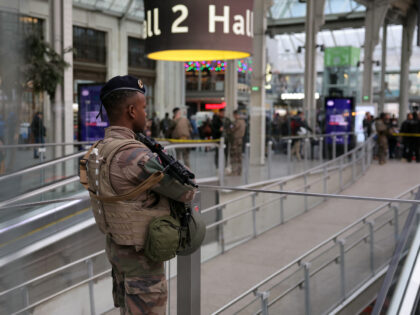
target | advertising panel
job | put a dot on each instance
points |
(90, 127)
(339, 117)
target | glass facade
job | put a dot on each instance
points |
(89, 45)
(137, 54)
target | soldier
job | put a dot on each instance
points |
(382, 130)
(117, 166)
(238, 133)
(181, 129)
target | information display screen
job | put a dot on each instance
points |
(339, 117)
(90, 127)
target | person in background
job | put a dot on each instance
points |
(392, 139)
(367, 125)
(299, 127)
(219, 126)
(410, 126)
(237, 135)
(181, 129)
(165, 124)
(383, 131)
(38, 131)
(155, 127)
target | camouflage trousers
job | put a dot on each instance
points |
(236, 157)
(138, 284)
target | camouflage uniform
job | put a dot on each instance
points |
(182, 130)
(382, 131)
(237, 135)
(139, 285)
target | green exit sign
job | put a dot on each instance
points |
(255, 88)
(366, 98)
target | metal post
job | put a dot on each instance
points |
(246, 170)
(340, 173)
(363, 159)
(221, 160)
(41, 152)
(254, 215)
(91, 292)
(264, 301)
(334, 146)
(305, 151)
(306, 267)
(396, 224)
(25, 295)
(281, 206)
(289, 156)
(321, 149)
(305, 182)
(221, 229)
(346, 143)
(341, 243)
(325, 181)
(270, 157)
(189, 277)
(372, 253)
(353, 166)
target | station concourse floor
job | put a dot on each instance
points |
(227, 276)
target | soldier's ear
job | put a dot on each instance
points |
(131, 110)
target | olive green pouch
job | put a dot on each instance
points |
(163, 238)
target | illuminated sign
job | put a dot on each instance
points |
(339, 117)
(187, 30)
(215, 106)
(295, 96)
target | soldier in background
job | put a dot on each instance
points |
(181, 129)
(220, 125)
(165, 124)
(139, 284)
(383, 131)
(237, 135)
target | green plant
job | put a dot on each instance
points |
(44, 67)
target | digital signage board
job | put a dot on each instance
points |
(339, 117)
(90, 128)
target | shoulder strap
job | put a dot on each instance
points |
(151, 181)
(82, 166)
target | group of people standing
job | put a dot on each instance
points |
(181, 128)
(393, 141)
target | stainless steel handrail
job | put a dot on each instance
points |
(42, 165)
(301, 258)
(50, 144)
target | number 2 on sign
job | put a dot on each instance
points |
(176, 27)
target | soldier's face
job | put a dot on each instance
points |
(140, 115)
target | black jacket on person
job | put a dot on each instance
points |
(37, 127)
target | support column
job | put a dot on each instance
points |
(314, 20)
(406, 52)
(68, 77)
(169, 86)
(381, 104)
(375, 16)
(231, 88)
(257, 106)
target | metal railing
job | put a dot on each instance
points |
(345, 261)
(329, 177)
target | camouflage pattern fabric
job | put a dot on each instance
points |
(139, 285)
(236, 157)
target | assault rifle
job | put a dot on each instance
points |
(172, 166)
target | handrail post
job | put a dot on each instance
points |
(289, 156)
(371, 247)
(353, 166)
(221, 160)
(305, 151)
(254, 215)
(264, 301)
(321, 149)
(25, 295)
(281, 206)
(221, 229)
(340, 173)
(341, 243)
(363, 159)
(305, 183)
(306, 267)
(270, 157)
(91, 290)
(189, 277)
(334, 148)
(325, 178)
(346, 143)
(41, 152)
(396, 224)
(246, 170)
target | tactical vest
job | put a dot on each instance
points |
(123, 217)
